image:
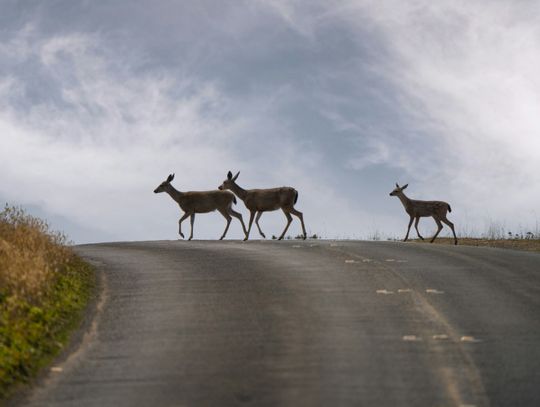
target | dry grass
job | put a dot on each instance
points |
(43, 288)
(531, 245)
(30, 255)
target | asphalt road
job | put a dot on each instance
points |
(315, 323)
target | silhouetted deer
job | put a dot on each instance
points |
(264, 200)
(418, 209)
(193, 202)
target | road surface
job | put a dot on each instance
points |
(314, 323)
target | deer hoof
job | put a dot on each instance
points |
(262, 234)
(245, 238)
(305, 237)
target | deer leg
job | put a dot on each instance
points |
(439, 228)
(192, 221)
(251, 216)
(416, 227)
(451, 227)
(408, 229)
(289, 220)
(186, 215)
(228, 217)
(259, 214)
(300, 216)
(238, 215)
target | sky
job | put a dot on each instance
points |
(100, 101)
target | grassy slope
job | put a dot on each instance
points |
(531, 245)
(44, 289)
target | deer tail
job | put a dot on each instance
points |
(449, 208)
(295, 196)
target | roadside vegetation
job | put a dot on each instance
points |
(44, 287)
(495, 235)
(530, 243)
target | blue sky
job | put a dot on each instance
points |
(100, 101)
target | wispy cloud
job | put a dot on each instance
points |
(95, 152)
(462, 76)
(106, 136)
(339, 100)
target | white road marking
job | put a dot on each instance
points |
(385, 292)
(349, 261)
(411, 338)
(470, 339)
(440, 337)
(402, 261)
(404, 290)
(390, 260)
(434, 291)
(56, 369)
(366, 260)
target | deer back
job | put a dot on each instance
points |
(270, 199)
(205, 201)
(429, 208)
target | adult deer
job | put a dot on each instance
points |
(265, 200)
(193, 202)
(418, 209)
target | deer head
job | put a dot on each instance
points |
(163, 186)
(229, 182)
(397, 190)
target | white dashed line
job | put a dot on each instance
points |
(404, 290)
(440, 337)
(56, 369)
(469, 339)
(349, 261)
(385, 292)
(411, 338)
(434, 291)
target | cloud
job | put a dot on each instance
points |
(463, 78)
(467, 73)
(94, 143)
(338, 100)
(95, 153)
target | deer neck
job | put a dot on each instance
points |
(404, 200)
(239, 191)
(174, 193)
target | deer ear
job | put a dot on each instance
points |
(229, 175)
(397, 185)
(236, 176)
(404, 186)
(170, 177)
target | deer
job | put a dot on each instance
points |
(193, 202)
(418, 209)
(258, 201)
